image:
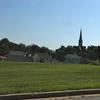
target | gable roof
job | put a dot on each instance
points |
(18, 53)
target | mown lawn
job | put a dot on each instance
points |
(29, 77)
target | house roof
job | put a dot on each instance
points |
(72, 56)
(18, 53)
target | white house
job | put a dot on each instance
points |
(73, 58)
(42, 57)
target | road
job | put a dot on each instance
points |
(86, 97)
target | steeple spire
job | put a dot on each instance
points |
(80, 43)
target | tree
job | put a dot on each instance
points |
(21, 47)
(4, 41)
(32, 49)
(4, 46)
(45, 50)
(4, 49)
(92, 52)
(60, 53)
(70, 50)
(98, 53)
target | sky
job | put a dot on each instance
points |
(50, 23)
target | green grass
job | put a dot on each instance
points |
(29, 77)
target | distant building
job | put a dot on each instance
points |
(80, 42)
(73, 59)
(17, 56)
(78, 57)
(42, 57)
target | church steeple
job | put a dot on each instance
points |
(80, 43)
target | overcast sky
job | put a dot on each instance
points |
(50, 23)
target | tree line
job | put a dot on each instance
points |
(89, 52)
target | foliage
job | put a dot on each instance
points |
(91, 52)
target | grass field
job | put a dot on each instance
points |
(29, 77)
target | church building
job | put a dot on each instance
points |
(74, 58)
(80, 42)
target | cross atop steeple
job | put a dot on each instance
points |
(80, 43)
